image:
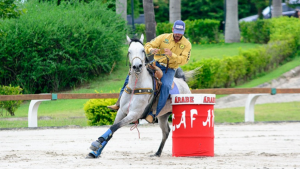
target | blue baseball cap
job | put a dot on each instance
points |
(179, 27)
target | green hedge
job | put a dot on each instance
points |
(12, 105)
(162, 28)
(256, 32)
(52, 47)
(202, 30)
(229, 71)
(9, 9)
(263, 31)
(97, 112)
(141, 29)
(199, 30)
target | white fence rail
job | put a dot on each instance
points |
(254, 93)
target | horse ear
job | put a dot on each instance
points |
(142, 38)
(128, 39)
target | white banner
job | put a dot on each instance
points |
(177, 99)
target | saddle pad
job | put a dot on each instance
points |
(174, 90)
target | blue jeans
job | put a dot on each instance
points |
(125, 83)
(166, 80)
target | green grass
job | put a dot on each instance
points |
(219, 50)
(273, 74)
(70, 112)
(45, 123)
(263, 112)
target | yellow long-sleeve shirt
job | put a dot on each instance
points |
(181, 50)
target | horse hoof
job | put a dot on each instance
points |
(90, 156)
(155, 155)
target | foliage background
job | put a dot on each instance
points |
(11, 105)
(10, 9)
(97, 112)
(203, 9)
(52, 48)
(283, 37)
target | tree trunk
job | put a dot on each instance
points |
(260, 15)
(277, 8)
(121, 8)
(149, 19)
(175, 10)
(232, 31)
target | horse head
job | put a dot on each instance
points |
(136, 54)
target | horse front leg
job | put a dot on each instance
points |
(98, 145)
(165, 128)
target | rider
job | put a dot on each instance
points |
(178, 50)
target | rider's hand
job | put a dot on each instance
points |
(154, 51)
(168, 52)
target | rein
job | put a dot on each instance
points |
(136, 123)
(132, 93)
(165, 57)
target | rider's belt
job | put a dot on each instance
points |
(165, 65)
(139, 90)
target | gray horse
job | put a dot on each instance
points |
(132, 106)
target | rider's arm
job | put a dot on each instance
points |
(155, 43)
(184, 57)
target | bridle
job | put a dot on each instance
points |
(144, 61)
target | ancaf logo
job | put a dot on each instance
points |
(209, 99)
(166, 41)
(184, 99)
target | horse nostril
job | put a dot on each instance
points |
(134, 67)
(140, 65)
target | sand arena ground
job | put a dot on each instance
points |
(244, 145)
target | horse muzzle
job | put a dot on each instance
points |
(137, 68)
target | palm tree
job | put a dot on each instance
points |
(232, 31)
(277, 8)
(149, 19)
(121, 8)
(175, 10)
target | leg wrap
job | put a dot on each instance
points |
(98, 145)
(106, 136)
(97, 153)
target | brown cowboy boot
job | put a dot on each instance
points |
(149, 118)
(116, 106)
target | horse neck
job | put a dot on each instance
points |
(144, 79)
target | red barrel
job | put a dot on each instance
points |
(193, 124)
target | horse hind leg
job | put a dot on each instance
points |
(165, 128)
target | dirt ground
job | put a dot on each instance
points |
(244, 145)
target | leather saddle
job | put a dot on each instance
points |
(157, 74)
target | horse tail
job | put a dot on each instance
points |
(180, 74)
